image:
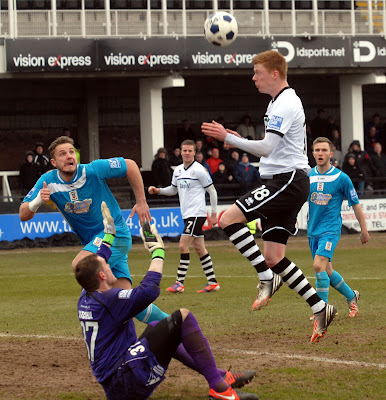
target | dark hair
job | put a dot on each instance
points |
(37, 144)
(58, 141)
(86, 272)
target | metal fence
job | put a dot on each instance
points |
(368, 20)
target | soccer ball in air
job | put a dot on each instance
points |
(221, 29)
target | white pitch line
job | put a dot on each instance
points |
(307, 358)
(367, 278)
(236, 351)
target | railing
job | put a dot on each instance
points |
(6, 189)
(189, 22)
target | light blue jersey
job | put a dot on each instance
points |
(80, 200)
(327, 192)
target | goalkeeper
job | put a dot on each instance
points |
(128, 367)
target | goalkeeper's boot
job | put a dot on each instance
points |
(176, 288)
(210, 287)
(321, 322)
(232, 394)
(238, 379)
(353, 305)
(266, 291)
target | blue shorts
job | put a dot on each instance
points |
(323, 245)
(137, 375)
(118, 260)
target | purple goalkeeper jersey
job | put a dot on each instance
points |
(107, 325)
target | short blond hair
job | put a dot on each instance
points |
(273, 61)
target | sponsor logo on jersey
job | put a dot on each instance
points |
(320, 187)
(97, 242)
(184, 185)
(328, 246)
(249, 201)
(275, 122)
(31, 192)
(353, 194)
(85, 314)
(114, 163)
(124, 294)
(73, 195)
(78, 207)
(321, 199)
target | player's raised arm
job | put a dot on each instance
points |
(28, 209)
(141, 207)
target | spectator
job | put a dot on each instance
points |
(175, 158)
(375, 121)
(379, 161)
(332, 125)
(214, 161)
(201, 146)
(41, 160)
(363, 161)
(319, 126)
(370, 139)
(160, 168)
(355, 173)
(185, 132)
(29, 173)
(199, 157)
(221, 177)
(337, 156)
(246, 129)
(246, 174)
(232, 162)
(335, 138)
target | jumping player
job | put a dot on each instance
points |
(77, 190)
(329, 187)
(126, 366)
(285, 186)
(191, 180)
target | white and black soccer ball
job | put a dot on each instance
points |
(221, 29)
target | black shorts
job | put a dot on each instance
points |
(277, 202)
(165, 337)
(193, 226)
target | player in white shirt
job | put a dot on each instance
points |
(285, 186)
(191, 181)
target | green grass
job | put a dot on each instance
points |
(38, 296)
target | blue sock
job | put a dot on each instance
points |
(151, 314)
(338, 283)
(322, 285)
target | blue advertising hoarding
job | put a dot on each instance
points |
(168, 221)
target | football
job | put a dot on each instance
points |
(221, 29)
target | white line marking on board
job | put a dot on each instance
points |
(236, 351)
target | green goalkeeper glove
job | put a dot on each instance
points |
(108, 223)
(152, 240)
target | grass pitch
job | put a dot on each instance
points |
(38, 297)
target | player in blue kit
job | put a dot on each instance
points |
(126, 366)
(328, 188)
(78, 190)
